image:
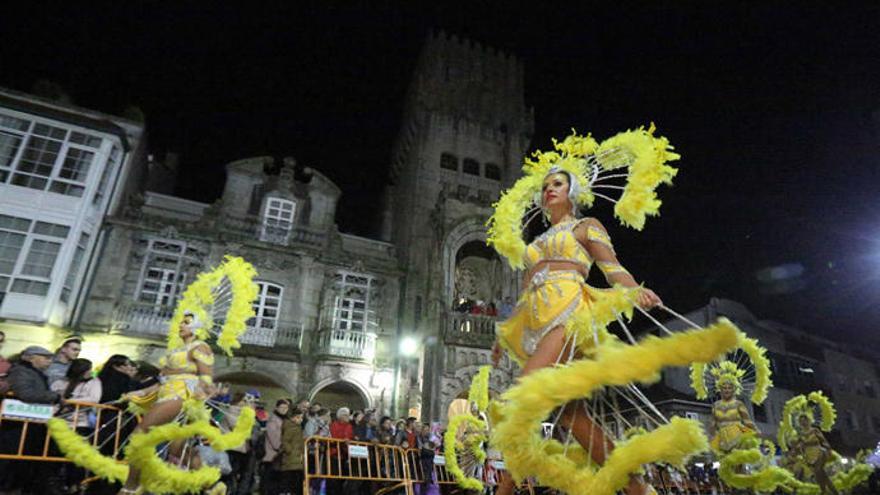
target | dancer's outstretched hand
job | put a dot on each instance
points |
(649, 299)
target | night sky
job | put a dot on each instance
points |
(774, 106)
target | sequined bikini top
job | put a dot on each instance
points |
(179, 359)
(559, 243)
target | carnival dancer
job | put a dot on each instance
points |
(187, 372)
(747, 369)
(816, 452)
(808, 453)
(560, 320)
(175, 413)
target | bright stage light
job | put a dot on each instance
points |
(409, 346)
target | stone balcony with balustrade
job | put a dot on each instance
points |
(469, 330)
(347, 344)
(152, 321)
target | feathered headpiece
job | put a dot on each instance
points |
(805, 405)
(222, 297)
(637, 157)
(727, 372)
(747, 369)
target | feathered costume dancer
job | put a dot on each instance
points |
(593, 380)
(736, 441)
(219, 302)
(807, 454)
(748, 370)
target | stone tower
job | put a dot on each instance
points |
(464, 131)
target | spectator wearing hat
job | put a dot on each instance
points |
(28, 382)
(68, 351)
(27, 378)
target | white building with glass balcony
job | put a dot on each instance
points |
(62, 169)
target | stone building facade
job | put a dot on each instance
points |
(334, 308)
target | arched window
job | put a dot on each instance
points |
(267, 306)
(448, 161)
(471, 166)
(492, 171)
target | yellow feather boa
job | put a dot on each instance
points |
(199, 296)
(83, 454)
(479, 390)
(647, 170)
(451, 445)
(729, 372)
(156, 475)
(525, 405)
(766, 479)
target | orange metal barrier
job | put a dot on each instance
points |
(334, 459)
(442, 476)
(33, 440)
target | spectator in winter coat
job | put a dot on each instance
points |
(27, 379)
(340, 429)
(270, 466)
(292, 462)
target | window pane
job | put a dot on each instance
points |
(41, 258)
(14, 123)
(14, 223)
(49, 131)
(36, 163)
(30, 287)
(471, 166)
(76, 165)
(51, 229)
(9, 144)
(67, 189)
(448, 162)
(10, 247)
(85, 139)
(493, 171)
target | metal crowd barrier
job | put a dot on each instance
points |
(338, 460)
(23, 427)
(441, 475)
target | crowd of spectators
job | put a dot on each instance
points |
(270, 462)
(495, 309)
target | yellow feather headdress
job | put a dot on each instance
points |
(753, 374)
(637, 156)
(225, 293)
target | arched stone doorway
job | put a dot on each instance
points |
(340, 394)
(242, 381)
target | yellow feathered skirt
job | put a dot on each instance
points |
(729, 436)
(551, 298)
(178, 387)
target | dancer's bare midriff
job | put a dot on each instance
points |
(555, 266)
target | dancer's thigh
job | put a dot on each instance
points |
(548, 351)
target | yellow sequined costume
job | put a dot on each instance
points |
(552, 296)
(813, 447)
(183, 384)
(731, 427)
